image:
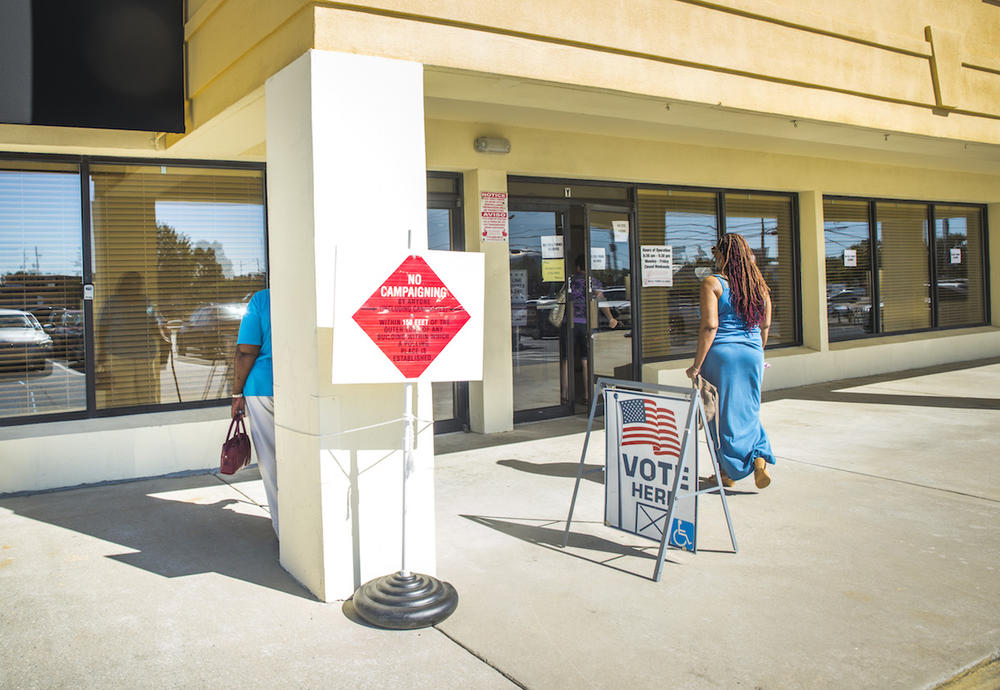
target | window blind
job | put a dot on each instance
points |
(41, 290)
(765, 221)
(959, 255)
(177, 254)
(848, 268)
(903, 270)
(687, 222)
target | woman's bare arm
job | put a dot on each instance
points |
(711, 290)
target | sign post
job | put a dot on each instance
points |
(412, 327)
(651, 463)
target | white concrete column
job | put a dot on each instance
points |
(346, 167)
(993, 219)
(815, 334)
(491, 401)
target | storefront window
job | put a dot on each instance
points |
(904, 288)
(913, 290)
(177, 254)
(848, 268)
(140, 309)
(686, 222)
(689, 222)
(958, 250)
(41, 290)
(765, 220)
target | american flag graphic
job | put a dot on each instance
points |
(643, 423)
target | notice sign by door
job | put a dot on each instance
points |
(657, 265)
(493, 216)
(850, 258)
(644, 433)
(518, 297)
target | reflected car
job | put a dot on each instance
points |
(211, 331)
(65, 327)
(24, 344)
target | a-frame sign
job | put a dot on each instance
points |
(651, 463)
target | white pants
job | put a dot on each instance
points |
(260, 410)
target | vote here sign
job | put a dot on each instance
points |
(644, 435)
(407, 316)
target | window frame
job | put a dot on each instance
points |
(872, 203)
(83, 163)
(720, 221)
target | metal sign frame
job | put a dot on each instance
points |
(696, 413)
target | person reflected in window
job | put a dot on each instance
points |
(253, 391)
(580, 287)
(735, 319)
(129, 338)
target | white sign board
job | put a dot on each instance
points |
(518, 297)
(493, 216)
(552, 246)
(644, 434)
(956, 255)
(598, 259)
(850, 258)
(402, 316)
(657, 264)
(620, 230)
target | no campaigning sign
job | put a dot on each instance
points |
(412, 316)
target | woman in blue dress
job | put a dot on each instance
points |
(735, 318)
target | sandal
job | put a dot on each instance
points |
(726, 481)
(760, 475)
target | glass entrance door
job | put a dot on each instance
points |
(571, 317)
(610, 294)
(541, 315)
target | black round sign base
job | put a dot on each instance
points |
(405, 601)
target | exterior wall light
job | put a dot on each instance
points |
(492, 145)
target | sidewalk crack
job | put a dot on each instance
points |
(486, 661)
(888, 479)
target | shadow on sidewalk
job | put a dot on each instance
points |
(832, 391)
(592, 473)
(169, 536)
(551, 538)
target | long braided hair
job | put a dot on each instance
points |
(746, 284)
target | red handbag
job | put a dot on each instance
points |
(236, 449)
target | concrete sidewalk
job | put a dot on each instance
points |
(871, 561)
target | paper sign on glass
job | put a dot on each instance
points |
(552, 246)
(598, 259)
(956, 256)
(552, 270)
(850, 257)
(657, 265)
(620, 229)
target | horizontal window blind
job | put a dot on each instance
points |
(903, 271)
(959, 255)
(177, 252)
(766, 222)
(687, 222)
(848, 268)
(41, 290)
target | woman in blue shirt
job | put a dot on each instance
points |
(253, 390)
(735, 318)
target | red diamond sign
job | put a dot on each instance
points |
(412, 316)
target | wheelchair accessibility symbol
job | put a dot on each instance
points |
(682, 535)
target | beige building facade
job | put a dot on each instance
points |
(857, 144)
